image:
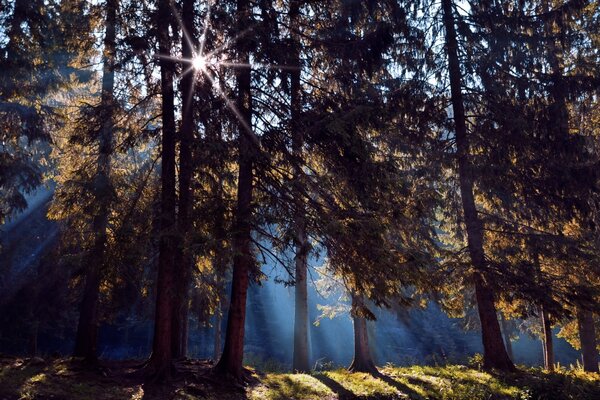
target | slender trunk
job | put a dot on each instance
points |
(363, 361)
(218, 332)
(301, 362)
(506, 331)
(243, 260)
(301, 358)
(87, 327)
(548, 342)
(494, 352)
(162, 355)
(587, 337)
(183, 258)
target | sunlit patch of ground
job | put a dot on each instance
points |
(57, 379)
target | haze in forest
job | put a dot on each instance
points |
(300, 186)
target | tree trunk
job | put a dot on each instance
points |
(548, 341)
(243, 261)
(183, 258)
(363, 361)
(301, 361)
(218, 332)
(33, 339)
(301, 358)
(494, 352)
(87, 327)
(587, 337)
(162, 355)
(506, 331)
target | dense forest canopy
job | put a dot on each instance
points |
(168, 163)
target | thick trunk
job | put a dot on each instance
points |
(363, 361)
(587, 337)
(506, 331)
(183, 259)
(548, 342)
(87, 326)
(301, 361)
(233, 352)
(162, 355)
(494, 352)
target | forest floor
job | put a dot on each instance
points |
(57, 379)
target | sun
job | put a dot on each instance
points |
(199, 63)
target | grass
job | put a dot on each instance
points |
(57, 379)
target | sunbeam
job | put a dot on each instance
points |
(203, 64)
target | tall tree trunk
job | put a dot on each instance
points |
(183, 258)
(548, 341)
(363, 361)
(162, 355)
(233, 352)
(301, 361)
(494, 352)
(218, 333)
(587, 337)
(87, 327)
(506, 331)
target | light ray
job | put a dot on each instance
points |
(229, 42)
(186, 34)
(247, 128)
(205, 29)
(258, 66)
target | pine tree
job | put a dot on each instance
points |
(160, 362)
(495, 355)
(87, 328)
(243, 260)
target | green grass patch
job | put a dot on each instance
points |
(64, 379)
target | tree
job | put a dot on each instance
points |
(301, 359)
(87, 328)
(495, 355)
(160, 362)
(243, 260)
(183, 256)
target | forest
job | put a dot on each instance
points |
(299, 199)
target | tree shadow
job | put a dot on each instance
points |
(402, 388)
(342, 392)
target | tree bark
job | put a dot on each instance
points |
(548, 341)
(494, 352)
(231, 360)
(587, 337)
(183, 258)
(301, 360)
(87, 326)
(162, 356)
(363, 361)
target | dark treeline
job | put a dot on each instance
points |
(424, 151)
